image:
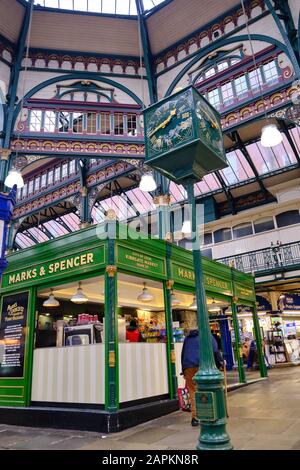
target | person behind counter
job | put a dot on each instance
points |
(132, 332)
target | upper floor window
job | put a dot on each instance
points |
(35, 120)
(131, 124)
(91, 125)
(72, 167)
(213, 97)
(37, 183)
(270, 72)
(50, 177)
(242, 230)
(207, 238)
(44, 180)
(49, 121)
(78, 122)
(30, 187)
(222, 235)
(227, 93)
(264, 224)
(241, 86)
(119, 124)
(105, 123)
(64, 170)
(63, 121)
(57, 174)
(255, 80)
(288, 218)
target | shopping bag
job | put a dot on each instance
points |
(184, 399)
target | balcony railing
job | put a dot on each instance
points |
(274, 258)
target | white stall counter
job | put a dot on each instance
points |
(143, 370)
(69, 374)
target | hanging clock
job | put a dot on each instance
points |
(184, 136)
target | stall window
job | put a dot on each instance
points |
(30, 187)
(64, 322)
(72, 167)
(222, 235)
(288, 218)
(264, 224)
(64, 170)
(57, 174)
(242, 230)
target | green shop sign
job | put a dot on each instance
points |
(140, 261)
(211, 283)
(245, 293)
(74, 263)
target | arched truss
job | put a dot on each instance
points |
(46, 224)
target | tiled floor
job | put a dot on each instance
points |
(264, 415)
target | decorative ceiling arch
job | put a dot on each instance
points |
(213, 47)
(75, 76)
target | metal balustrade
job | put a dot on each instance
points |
(273, 258)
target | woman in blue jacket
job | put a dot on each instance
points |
(190, 365)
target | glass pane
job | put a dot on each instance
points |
(263, 225)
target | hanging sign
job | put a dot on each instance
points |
(140, 261)
(245, 293)
(263, 304)
(289, 302)
(77, 262)
(13, 335)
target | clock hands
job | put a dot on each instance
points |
(163, 124)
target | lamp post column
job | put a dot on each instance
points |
(210, 397)
(162, 203)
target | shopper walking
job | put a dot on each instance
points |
(190, 365)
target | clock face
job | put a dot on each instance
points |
(209, 126)
(170, 125)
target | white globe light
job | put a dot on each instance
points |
(14, 177)
(186, 227)
(270, 136)
(147, 183)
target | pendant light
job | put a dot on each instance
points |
(186, 227)
(79, 297)
(270, 136)
(282, 296)
(147, 183)
(51, 301)
(194, 304)
(174, 300)
(145, 296)
(214, 307)
(13, 178)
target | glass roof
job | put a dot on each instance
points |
(115, 7)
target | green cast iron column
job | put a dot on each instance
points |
(241, 369)
(110, 325)
(209, 380)
(162, 203)
(261, 359)
(173, 383)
